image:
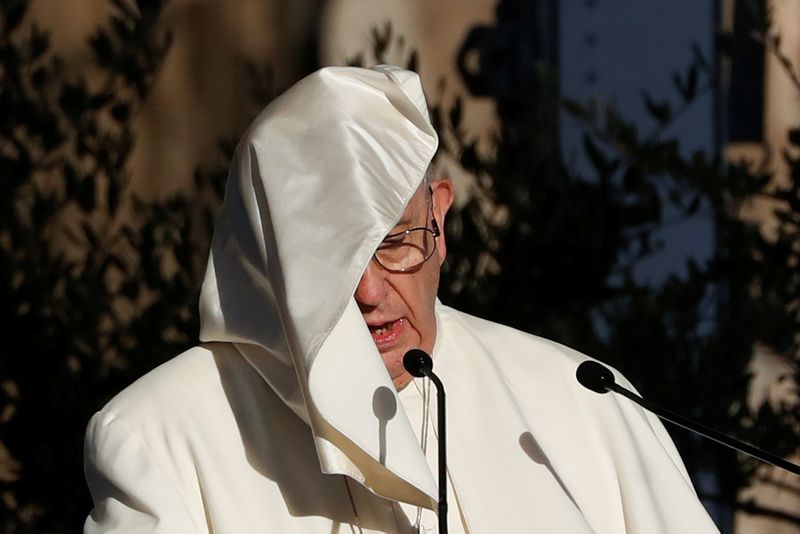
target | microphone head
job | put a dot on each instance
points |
(416, 362)
(594, 376)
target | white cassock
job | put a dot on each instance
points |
(285, 420)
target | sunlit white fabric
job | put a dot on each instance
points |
(251, 431)
(318, 180)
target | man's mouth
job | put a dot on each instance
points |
(385, 334)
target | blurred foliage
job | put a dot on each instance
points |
(549, 251)
(386, 48)
(82, 260)
(98, 286)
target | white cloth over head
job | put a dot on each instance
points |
(319, 179)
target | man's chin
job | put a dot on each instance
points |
(393, 360)
(402, 381)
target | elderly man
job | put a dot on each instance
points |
(296, 414)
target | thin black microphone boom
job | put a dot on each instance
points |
(419, 364)
(600, 379)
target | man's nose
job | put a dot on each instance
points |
(372, 288)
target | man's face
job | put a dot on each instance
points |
(398, 306)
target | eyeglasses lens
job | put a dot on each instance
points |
(406, 251)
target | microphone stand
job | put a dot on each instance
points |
(600, 379)
(419, 364)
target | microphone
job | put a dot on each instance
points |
(594, 376)
(418, 363)
(599, 378)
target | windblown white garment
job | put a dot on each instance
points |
(286, 420)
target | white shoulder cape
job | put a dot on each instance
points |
(203, 444)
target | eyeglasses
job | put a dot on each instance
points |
(407, 250)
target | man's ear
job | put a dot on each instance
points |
(442, 192)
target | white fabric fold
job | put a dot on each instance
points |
(317, 181)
